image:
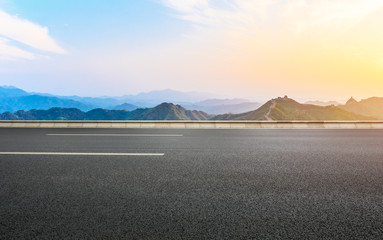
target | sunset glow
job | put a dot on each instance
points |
(328, 50)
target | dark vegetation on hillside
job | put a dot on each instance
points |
(164, 111)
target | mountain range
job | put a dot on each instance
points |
(147, 99)
(13, 99)
(323, 103)
(164, 111)
(17, 104)
(221, 106)
(372, 107)
(288, 109)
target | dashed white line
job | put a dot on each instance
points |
(117, 135)
(81, 154)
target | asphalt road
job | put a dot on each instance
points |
(208, 184)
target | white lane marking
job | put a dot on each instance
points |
(82, 154)
(117, 135)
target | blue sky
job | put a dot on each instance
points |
(84, 29)
(256, 49)
(80, 23)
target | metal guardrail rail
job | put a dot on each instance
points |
(196, 124)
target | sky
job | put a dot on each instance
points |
(256, 49)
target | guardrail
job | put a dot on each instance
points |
(197, 124)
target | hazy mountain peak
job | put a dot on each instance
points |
(370, 107)
(285, 108)
(283, 99)
(169, 95)
(217, 101)
(351, 101)
(125, 106)
(11, 91)
(8, 87)
(323, 103)
(167, 105)
(164, 111)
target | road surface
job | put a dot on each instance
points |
(191, 184)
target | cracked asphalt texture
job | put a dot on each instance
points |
(211, 184)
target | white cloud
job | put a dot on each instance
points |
(14, 28)
(187, 5)
(9, 52)
(296, 16)
(335, 16)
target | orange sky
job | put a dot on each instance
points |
(331, 49)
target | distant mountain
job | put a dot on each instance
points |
(13, 99)
(148, 99)
(218, 102)
(104, 114)
(351, 101)
(142, 100)
(288, 109)
(372, 107)
(167, 95)
(125, 106)
(221, 106)
(169, 111)
(164, 111)
(225, 108)
(11, 92)
(50, 114)
(39, 102)
(322, 103)
(97, 102)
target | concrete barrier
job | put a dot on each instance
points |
(197, 124)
